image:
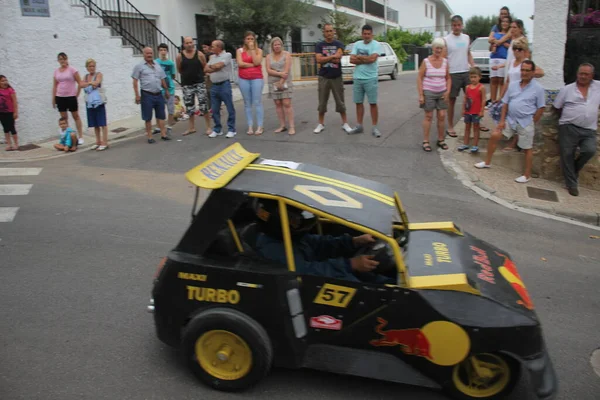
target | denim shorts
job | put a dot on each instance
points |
(368, 87)
(472, 118)
(153, 102)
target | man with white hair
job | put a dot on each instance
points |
(578, 105)
(219, 68)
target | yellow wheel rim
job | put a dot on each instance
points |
(481, 376)
(224, 355)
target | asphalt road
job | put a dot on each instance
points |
(78, 259)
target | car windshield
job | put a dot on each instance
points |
(480, 44)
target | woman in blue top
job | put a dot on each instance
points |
(498, 56)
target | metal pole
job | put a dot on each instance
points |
(119, 17)
(385, 9)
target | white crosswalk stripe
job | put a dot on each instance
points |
(19, 171)
(14, 190)
(8, 214)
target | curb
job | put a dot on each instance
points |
(588, 220)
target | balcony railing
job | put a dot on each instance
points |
(353, 4)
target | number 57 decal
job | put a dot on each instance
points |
(334, 295)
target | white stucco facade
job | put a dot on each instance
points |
(422, 15)
(29, 63)
(550, 32)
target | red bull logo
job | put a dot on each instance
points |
(412, 341)
(509, 271)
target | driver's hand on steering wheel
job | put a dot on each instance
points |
(363, 263)
(363, 240)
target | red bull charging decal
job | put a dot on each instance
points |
(440, 342)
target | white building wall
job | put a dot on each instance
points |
(550, 32)
(411, 14)
(30, 73)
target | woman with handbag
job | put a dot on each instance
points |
(95, 101)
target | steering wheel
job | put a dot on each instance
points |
(382, 253)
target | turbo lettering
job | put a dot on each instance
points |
(221, 165)
(213, 295)
(191, 277)
(481, 258)
(442, 254)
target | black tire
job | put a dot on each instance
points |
(236, 323)
(394, 73)
(514, 368)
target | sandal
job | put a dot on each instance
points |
(426, 146)
(250, 131)
(483, 128)
(259, 131)
(442, 145)
(292, 131)
(186, 133)
(282, 129)
(451, 134)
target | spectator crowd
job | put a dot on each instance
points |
(516, 100)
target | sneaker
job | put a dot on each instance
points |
(320, 128)
(474, 149)
(165, 138)
(376, 132)
(151, 141)
(522, 179)
(230, 134)
(155, 131)
(358, 129)
(482, 165)
(463, 147)
(573, 191)
(214, 134)
(169, 130)
(347, 128)
(80, 141)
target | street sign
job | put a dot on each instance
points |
(35, 8)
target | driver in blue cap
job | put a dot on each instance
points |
(321, 255)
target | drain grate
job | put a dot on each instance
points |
(29, 147)
(119, 130)
(542, 194)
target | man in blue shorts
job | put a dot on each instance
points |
(364, 55)
(149, 79)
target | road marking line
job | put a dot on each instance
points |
(7, 214)
(15, 190)
(20, 171)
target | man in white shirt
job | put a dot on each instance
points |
(578, 105)
(460, 61)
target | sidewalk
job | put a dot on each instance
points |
(117, 131)
(497, 183)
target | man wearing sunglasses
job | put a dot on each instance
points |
(524, 104)
(578, 105)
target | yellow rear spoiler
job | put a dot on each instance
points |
(220, 169)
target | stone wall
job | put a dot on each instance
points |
(546, 154)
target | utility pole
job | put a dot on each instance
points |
(385, 9)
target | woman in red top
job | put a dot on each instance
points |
(249, 59)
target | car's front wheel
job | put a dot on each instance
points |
(484, 376)
(226, 349)
(394, 73)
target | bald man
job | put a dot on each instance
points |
(219, 68)
(190, 64)
(150, 78)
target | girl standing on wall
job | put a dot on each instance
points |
(9, 113)
(65, 91)
(251, 83)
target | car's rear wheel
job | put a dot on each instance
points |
(484, 376)
(226, 349)
(394, 73)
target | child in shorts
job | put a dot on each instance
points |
(179, 109)
(473, 107)
(68, 137)
(9, 113)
